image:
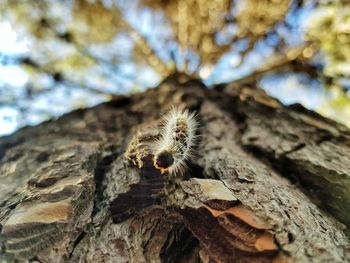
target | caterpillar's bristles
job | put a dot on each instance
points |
(176, 143)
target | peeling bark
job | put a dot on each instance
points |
(269, 184)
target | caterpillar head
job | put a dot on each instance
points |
(163, 161)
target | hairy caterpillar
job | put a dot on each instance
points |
(175, 146)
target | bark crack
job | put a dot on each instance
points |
(102, 167)
(76, 243)
(294, 149)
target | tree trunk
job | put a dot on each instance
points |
(269, 183)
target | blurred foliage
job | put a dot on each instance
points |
(329, 27)
(76, 53)
(93, 22)
(195, 24)
(209, 28)
(338, 106)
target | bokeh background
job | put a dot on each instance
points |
(57, 56)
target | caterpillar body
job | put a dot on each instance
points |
(177, 141)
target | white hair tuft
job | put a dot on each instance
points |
(177, 141)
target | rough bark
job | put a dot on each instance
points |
(269, 184)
